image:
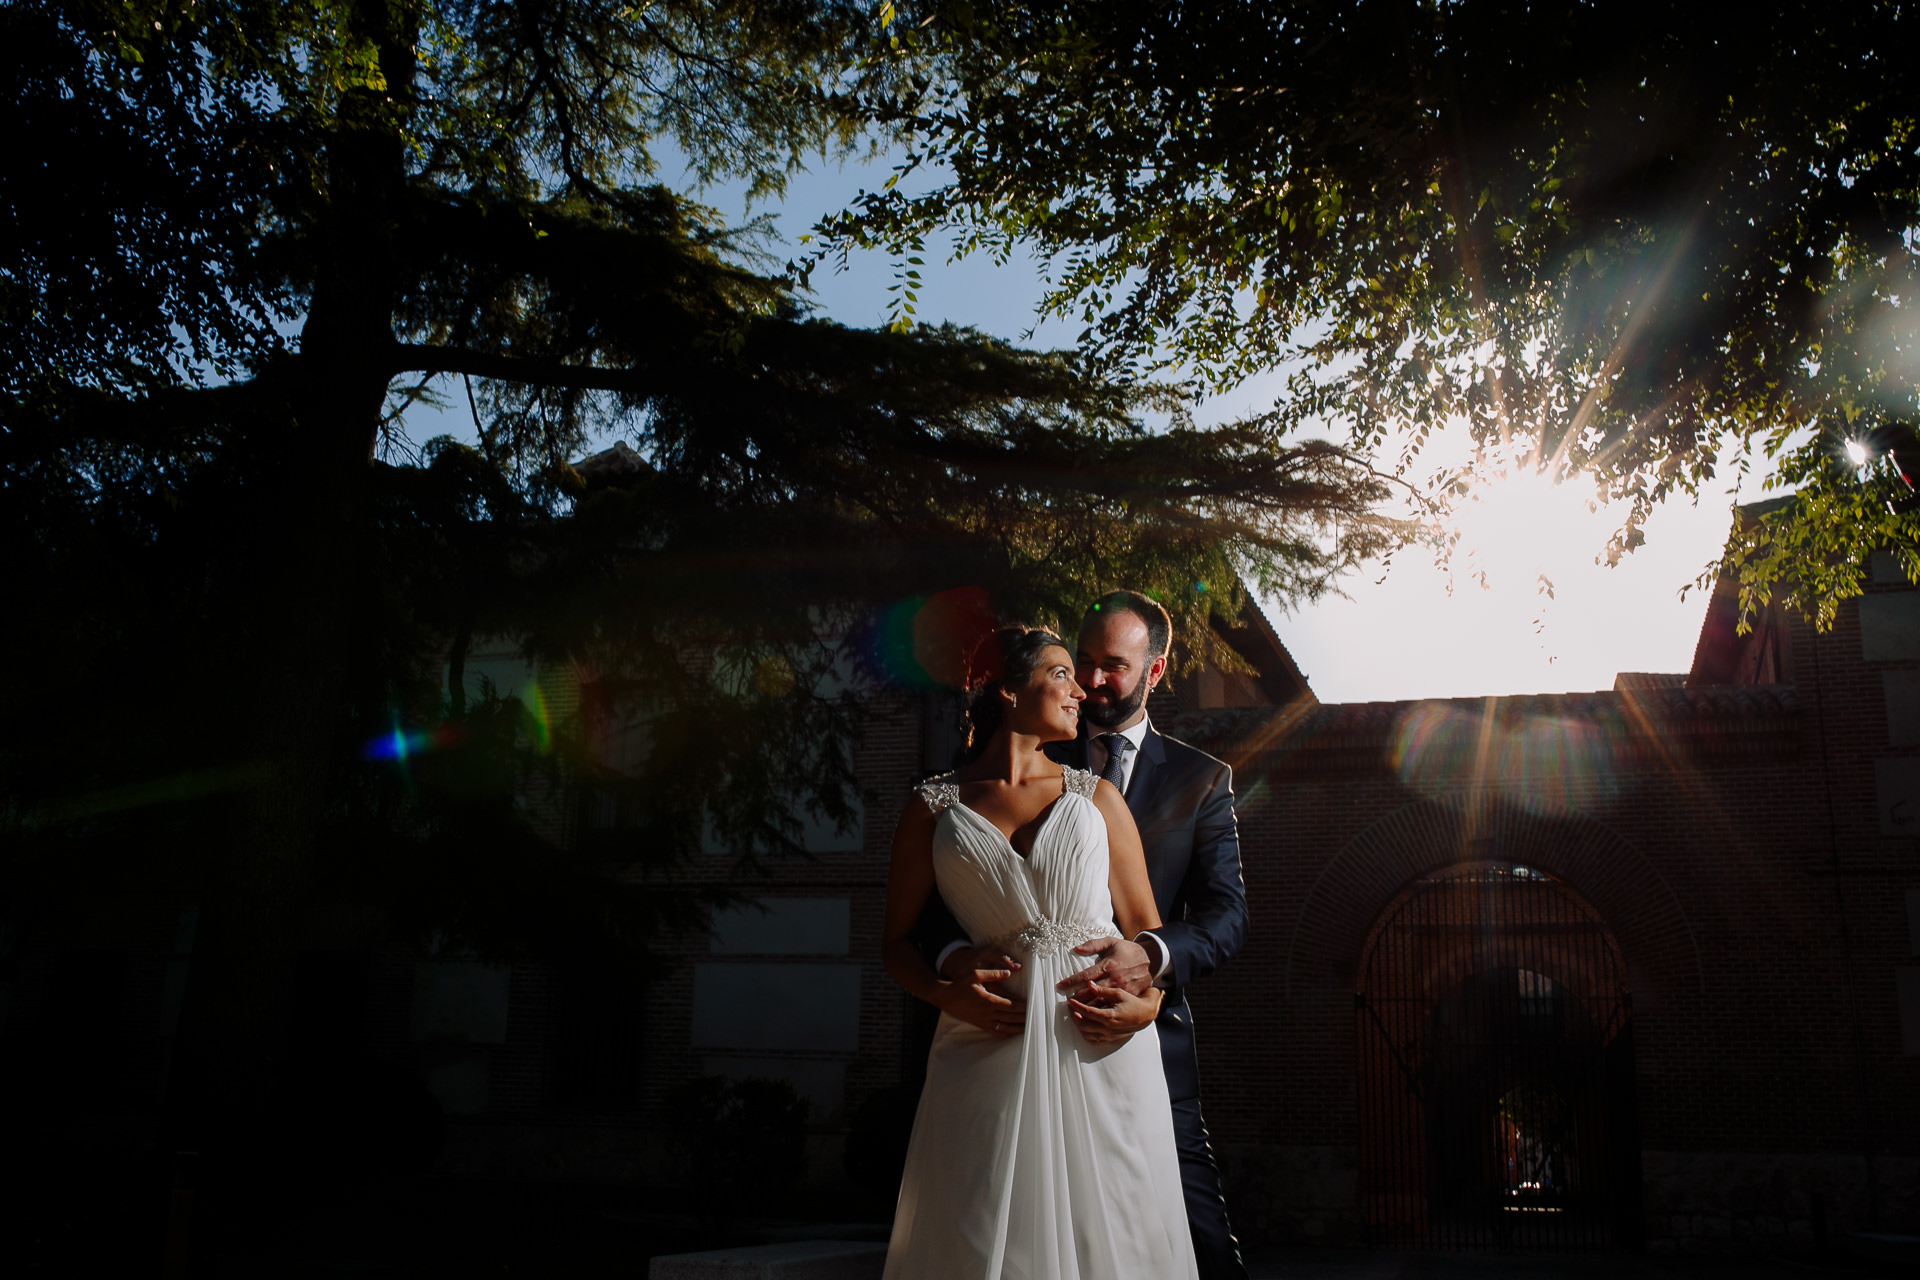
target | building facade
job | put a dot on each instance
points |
(1629, 969)
(1638, 968)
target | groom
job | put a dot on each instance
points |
(1182, 801)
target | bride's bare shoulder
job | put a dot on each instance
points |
(1112, 805)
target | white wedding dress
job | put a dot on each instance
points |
(1039, 1156)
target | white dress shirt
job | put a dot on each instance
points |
(1136, 733)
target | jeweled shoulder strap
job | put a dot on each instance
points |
(938, 793)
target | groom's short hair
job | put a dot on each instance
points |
(1151, 612)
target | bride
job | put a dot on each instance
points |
(1043, 1146)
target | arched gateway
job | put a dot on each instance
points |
(1495, 1058)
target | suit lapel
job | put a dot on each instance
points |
(1143, 788)
(1146, 793)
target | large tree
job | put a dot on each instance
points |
(243, 238)
(1615, 238)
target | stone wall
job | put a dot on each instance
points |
(1292, 1194)
(1741, 1202)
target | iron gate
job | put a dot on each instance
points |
(1496, 1069)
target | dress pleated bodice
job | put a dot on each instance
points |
(1040, 905)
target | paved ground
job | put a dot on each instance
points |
(1359, 1264)
(439, 1229)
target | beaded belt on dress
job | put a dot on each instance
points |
(1045, 937)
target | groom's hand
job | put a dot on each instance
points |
(1122, 964)
(1109, 1015)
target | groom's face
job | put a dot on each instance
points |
(1112, 665)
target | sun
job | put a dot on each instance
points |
(1517, 596)
(1521, 528)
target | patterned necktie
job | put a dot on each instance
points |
(1117, 746)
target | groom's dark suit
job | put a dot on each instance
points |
(1182, 801)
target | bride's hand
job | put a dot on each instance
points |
(971, 999)
(1109, 1015)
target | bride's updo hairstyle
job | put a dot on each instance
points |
(1006, 659)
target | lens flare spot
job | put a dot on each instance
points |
(926, 642)
(1541, 762)
(539, 717)
(403, 744)
(774, 677)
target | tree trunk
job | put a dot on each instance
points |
(301, 592)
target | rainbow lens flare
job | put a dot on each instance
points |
(1544, 763)
(534, 700)
(926, 642)
(402, 744)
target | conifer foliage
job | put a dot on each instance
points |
(244, 237)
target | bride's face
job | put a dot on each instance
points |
(1049, 705)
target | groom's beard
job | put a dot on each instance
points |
(1107, 711)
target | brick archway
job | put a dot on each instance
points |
(1365, 877)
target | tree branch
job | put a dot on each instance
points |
(412, 357)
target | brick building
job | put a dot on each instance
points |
(1670, 931)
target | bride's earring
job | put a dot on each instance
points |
(1014, 698)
